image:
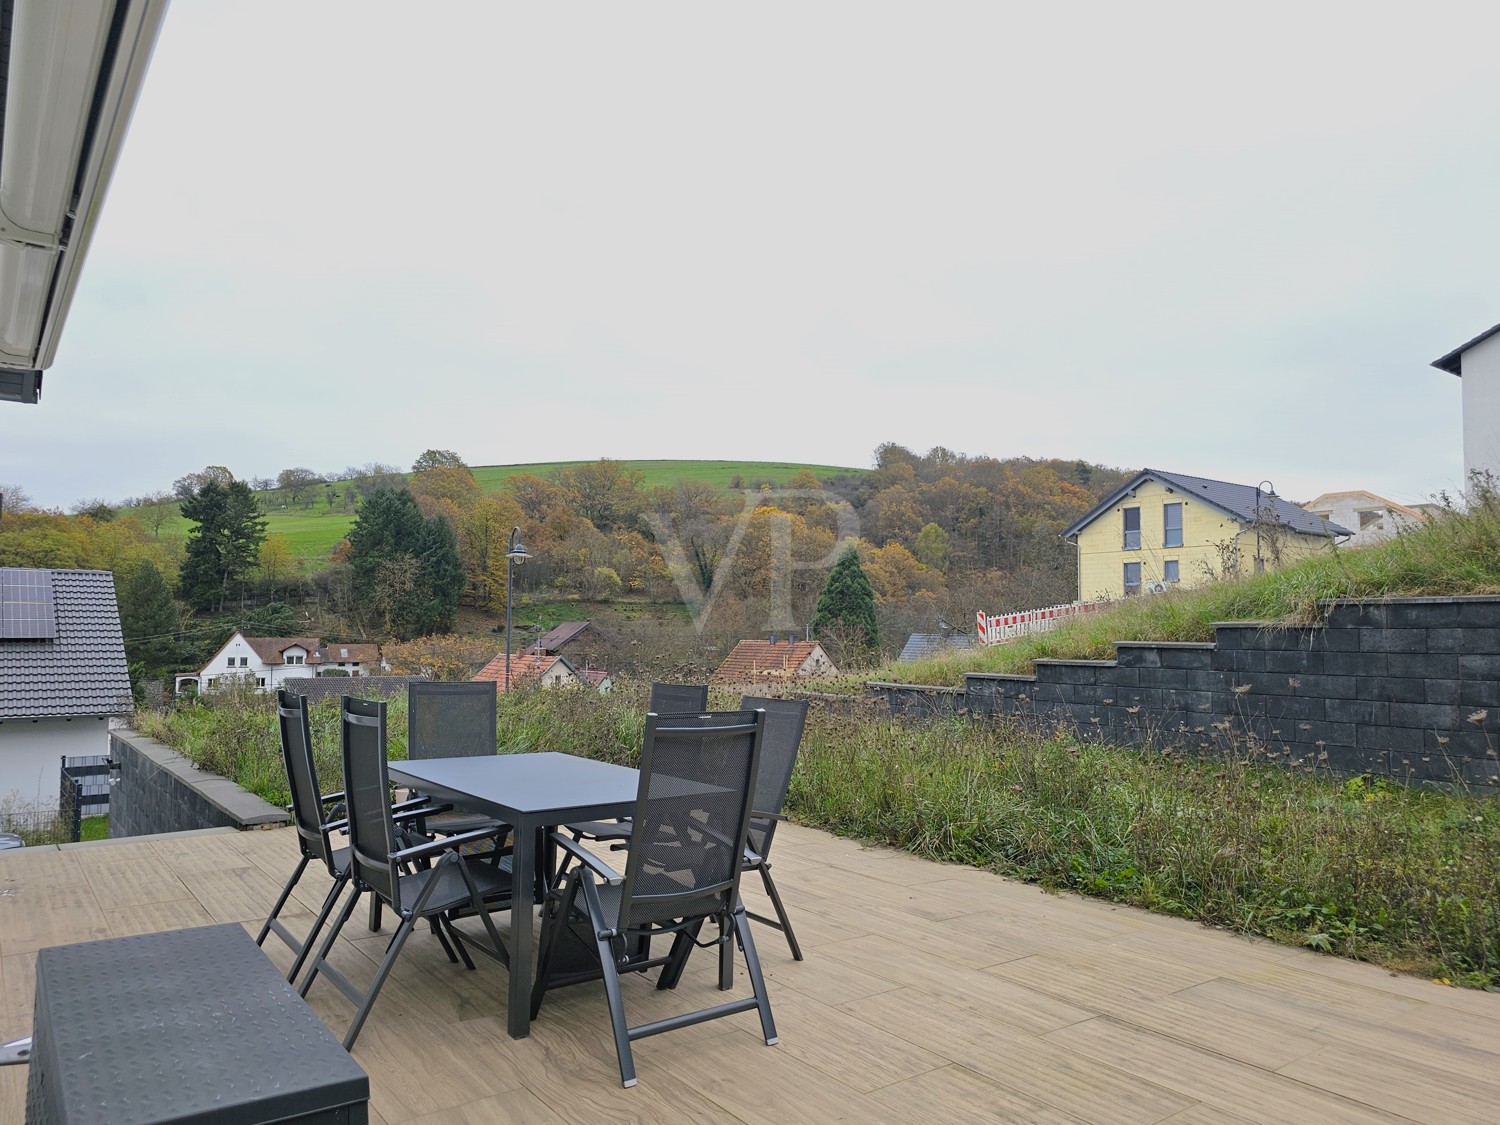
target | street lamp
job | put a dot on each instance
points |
(1260, 563)
(515, 553)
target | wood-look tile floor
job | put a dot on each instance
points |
(929, 993)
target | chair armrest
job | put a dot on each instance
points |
(329, 798)
(339, 825)
(418, 813)
(588, 859)
(769, 816)
(410, 804)
(447, 843)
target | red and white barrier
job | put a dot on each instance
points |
(1002, 627)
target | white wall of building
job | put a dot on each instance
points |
(31, 753)
(1481, 402)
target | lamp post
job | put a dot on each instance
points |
(515, 553)
(1260, 563)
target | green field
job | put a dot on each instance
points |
(315, 531)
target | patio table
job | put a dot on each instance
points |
(533, 793)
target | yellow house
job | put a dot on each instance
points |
(1165, 529)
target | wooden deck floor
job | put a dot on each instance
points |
(929, 993)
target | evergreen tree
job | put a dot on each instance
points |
(391, 540)
(225, 546)
(148, 618)
(847, 601)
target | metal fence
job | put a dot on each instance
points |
(84, 790)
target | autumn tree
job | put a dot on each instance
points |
(298, 484)
(277, 559)
(605, 493)
(224, 546)
(438, 459)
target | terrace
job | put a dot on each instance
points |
(929, 992)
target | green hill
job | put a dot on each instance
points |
(314, 531)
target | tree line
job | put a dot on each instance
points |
(937, 536)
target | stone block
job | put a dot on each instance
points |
(1294, 707)
(1435, 691)
(1393, 640)
(1424, 613)
(1350, 760)
(1423, 665)
(1479, 693)
(1194, 658)
(1197, 703)
(1294, 661)
(1479, 613)
(1479, 666)
(1426, 716)
(1388, 690)
(1134, 655)
(1362, 711)
(1402, 739)
(1356, 664)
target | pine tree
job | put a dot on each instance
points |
(225, 546)
(407, 567)
(847, 602)
(148, 618)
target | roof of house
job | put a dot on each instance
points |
(318, 688)
(522, 665)
(79, 671)
(555, 638)
(919, 645)
(1453, 361)
(1235, 500)
(595, 676)
(1327, 499)
(759, 660)
(271, 650)
(338, 653)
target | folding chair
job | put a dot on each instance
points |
(310, 811)
(448, 880)
(786, 719)
(683, 870)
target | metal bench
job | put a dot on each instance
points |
(185, 1026)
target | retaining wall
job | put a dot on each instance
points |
(1406, 688)
(161, 791)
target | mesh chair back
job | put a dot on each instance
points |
(678, 699)
(302, 777)
(785, 721)
(450, 720)
(367, 790)
(697, 774)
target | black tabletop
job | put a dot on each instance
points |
(523, 783)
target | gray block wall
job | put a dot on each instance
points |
(161, 791)
(1406, 688)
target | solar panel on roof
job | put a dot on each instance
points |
(27, 609)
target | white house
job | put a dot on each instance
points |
(1371, 518)
(1477, 363)
(270, 661)
(62, 675)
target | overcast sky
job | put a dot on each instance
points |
(1217, 241)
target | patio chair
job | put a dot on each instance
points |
(446, 881)
(785, 721)
(666, 699)
(451, 720)
(311, 817)
(683, 870)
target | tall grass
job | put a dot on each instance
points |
(1361, 868)
(1456, 552)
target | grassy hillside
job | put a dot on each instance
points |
(315, 531)
(1455, 553)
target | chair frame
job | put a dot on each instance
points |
(378, 867)
(770, 795)
(622, 945)
(310, 816)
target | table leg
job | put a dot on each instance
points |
(523, 866)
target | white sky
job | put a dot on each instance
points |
(1223, 242)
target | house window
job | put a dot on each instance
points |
(296, 659)
(1133, 533)
(1369, 518)
(1171, 522)
(244, 662)
(260, 681)
(1169, 571)
(1132, 578)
